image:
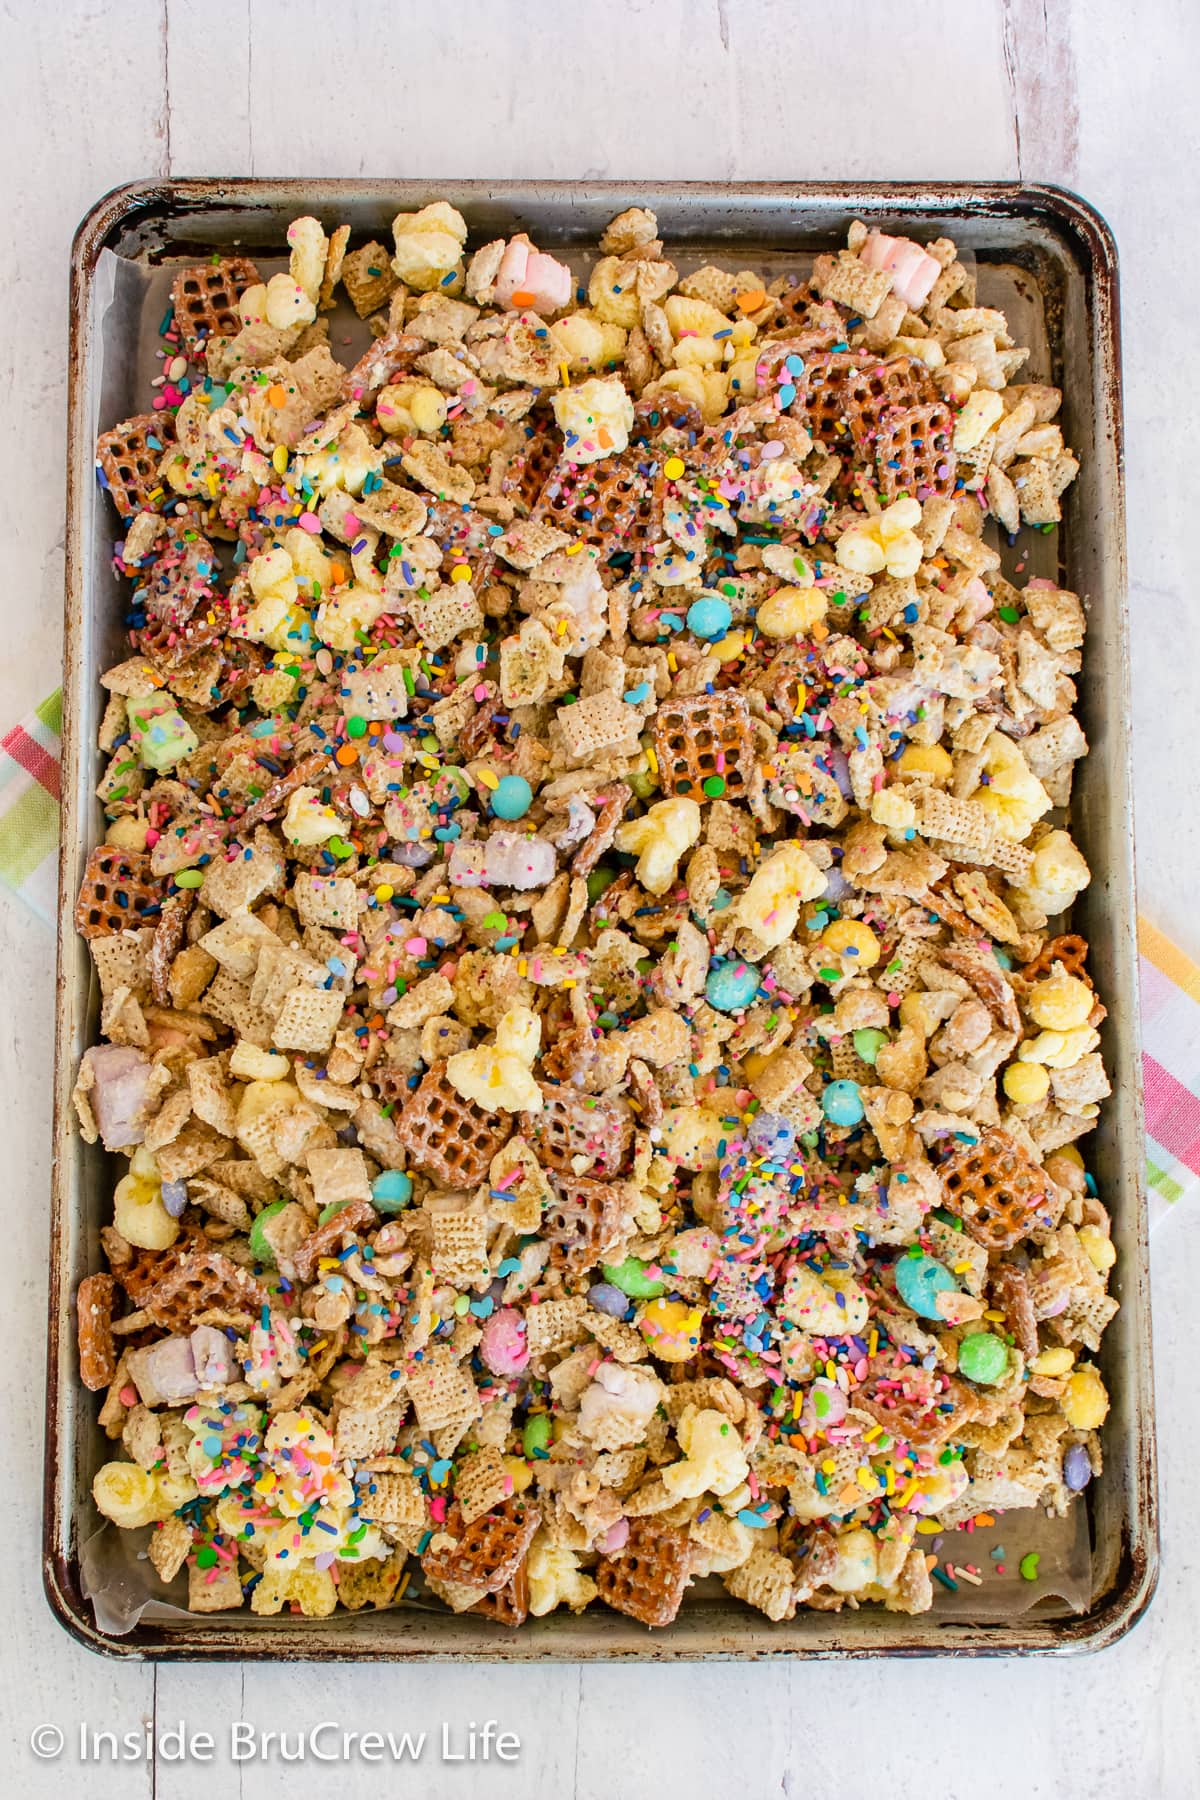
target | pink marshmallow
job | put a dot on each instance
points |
(502, 1346)
(615, 1538)
(913, 271)
(524, 270)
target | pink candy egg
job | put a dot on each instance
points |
(503, 1347)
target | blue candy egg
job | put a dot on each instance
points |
(609, 1299)
(391, 1191)
(732, 986)
(771, 1135)
(512, 798)
(919, 1281)
(842, 1103)
(709, 617)
(1077, 1468)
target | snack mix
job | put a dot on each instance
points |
(584, 998)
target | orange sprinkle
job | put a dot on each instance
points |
(604, 438)
(523, 297)
(337, 574)
(346, 754)
(377, 1023)
(276, 395)
(750, 302)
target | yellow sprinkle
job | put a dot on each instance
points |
(928, 1527)
(574, 549)
(652, 760)
(962, 1268)
(831, 1370)
(570, 983)
(279, 458)
(908, 1493)
(828, 1466)
(384, 892)
(460, 572)
(487, 779)
(864, 1479)
(872, 1343)
(565, 374)
(870, 1436)
(673, 468)
(671, 663)
(522, 966)
(561, 627)
(328, 1262)
(993, 1314)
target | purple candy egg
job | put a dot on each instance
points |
(609, 1299)
(1077, 1469)
(174, 1197)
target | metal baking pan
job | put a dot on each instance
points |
(1050, 260)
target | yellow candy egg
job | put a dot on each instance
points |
(1056, 1361)
(519, 1472)
(671, 1329)
(728, 648)
(790, 611)
(1026, 1083)
(1098, 1249)
(1060, 1003)
(1072, 1154)
(850, 937)
(1085, 1402)
(927, 759)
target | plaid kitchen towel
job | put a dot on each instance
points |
(29, 796)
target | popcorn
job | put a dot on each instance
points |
(595, 418)
(618, 957)
(888, 541)
(658, 839)
(498, 1077)
(429, 245)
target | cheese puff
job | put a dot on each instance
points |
(1061, 1002)
(308, 820)
(1057, 877)
(306, 264)
(659, 838)
(499, 1076)
(409, 406)
(714, 1460)
(1011, 792)
(588, 342)
(288, 304)
(888, 541)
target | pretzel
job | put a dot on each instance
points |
(462, 532)
(486, 1553)
(594, 503)
(999, 1193)
(873, 393)
(1070, 950)
(1010, 1288)
(531, 467)
(912, 1405)
(129, 456)
(97, 1352)
(583, 1219)
(822, 390)
(326, 1240)
(647, 1578)
(574, 1125)
(146, 1268)
(117, 893)
(205, 299)
(914, 453)
(203, 1281)
(702, 741)
(451, 1137)
(509, 1605)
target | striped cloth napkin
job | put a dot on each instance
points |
(29, 797)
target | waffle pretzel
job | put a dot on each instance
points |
(914, 453)
(129, 456)
(117, 893)
(704, 738)
(924, 1411)
(203, 1281)
(1070, 950)
(486, 1553)
(452, 1138)
(873, 393)
(509, 1605)
(646, 1580)
(97, 1352)
(532, 465)
(595, 503)
(326, 1240)
(205, 298)
(573, 1125)
(998, 1191)
(146, 1268)
(583, 1219)
(823, 390)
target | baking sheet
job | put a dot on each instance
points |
(1080, 1555)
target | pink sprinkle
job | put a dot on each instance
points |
(129, 1396)
(308, 521)
(152, 838)
(417, 946)
(480, 691)
(351, 522)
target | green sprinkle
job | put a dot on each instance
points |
(1029, 1565)
(189, 878)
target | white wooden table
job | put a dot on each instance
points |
(1094, 94)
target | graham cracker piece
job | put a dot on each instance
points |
(205, 299)
(370, 1583)
(704, 739)
(647, 1578)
